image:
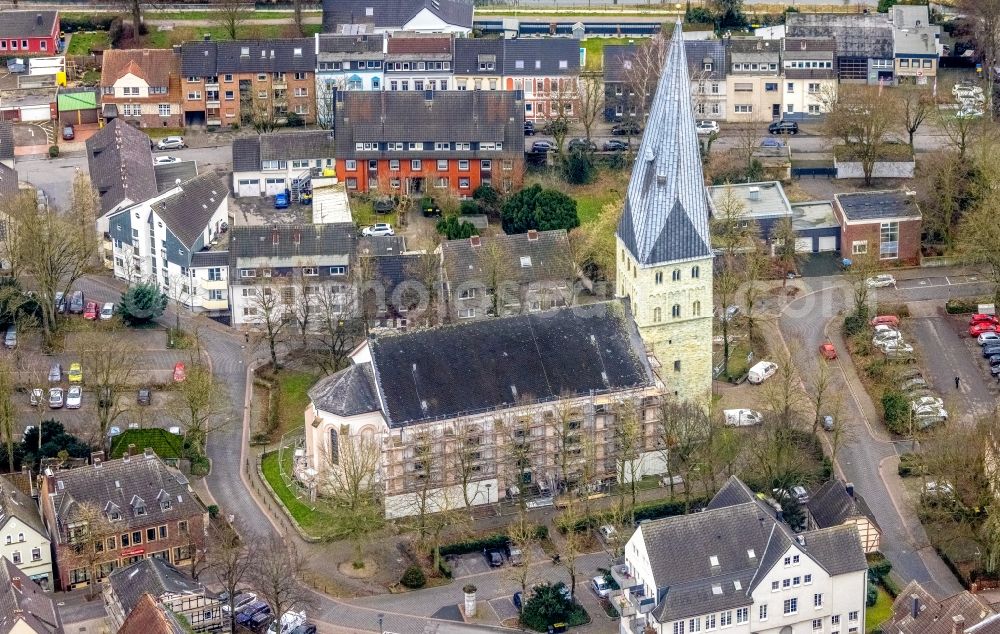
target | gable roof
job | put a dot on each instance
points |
(700, 52)
(616, 59)
(297, 144)
(153, 576)
(246, 154)
(201, 59)
(21, 599)
(547, 256)
(541, 56)
(832, 505)
(296, 244)
(121, 164)
(188, 212)
(168, 174)
(372, 44)
(15, 504)
(18, 24)
(8, 180)
(6, 141)
(389, 14)
(937, 617)
(502, 362)
(348, 392)
(666, 207)
(149, 617)
(469, 51)
(154, 66)
(419, 44)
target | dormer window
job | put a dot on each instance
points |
(164, 499)
(115, 516)
(140, 510)
(138, 506)
(707, 67)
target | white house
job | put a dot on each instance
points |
(273, 163)
(738, 565)
(388, 16)
(346, 62)
(175, 239)
(23, 538)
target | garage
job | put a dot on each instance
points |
(828, 243)
(248, 187)
(803, 245)
(36, 112)
(274, 186)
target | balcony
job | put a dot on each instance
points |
(620, 573)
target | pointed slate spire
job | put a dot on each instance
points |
(666, 209)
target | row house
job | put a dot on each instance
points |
(537, 413)
(418, 62)
(346, 62)
(810, 81)
(390, 16)
(620, 100)
(113, 514)
(864, 43)
(419, 143)
(27, 608)
(546, 71)
(479, 64)
(174, 239)
(753, 79)
(23, 538)
(29, 32)
(142, 86)
(167, 586)
(277, 162)
(276, 270)
(249, 82)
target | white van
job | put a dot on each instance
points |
(288, 622)
(742, 417)
(762, 371)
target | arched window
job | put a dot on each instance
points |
(657, 315)
(677, 275)
(334, 446)
(659, 277)
(676, 311)
(695, 271)
(696, 309)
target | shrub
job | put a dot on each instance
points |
(878, 567)
(474, 545)
(648, 511)
(455, 229)
(468, 208)
(855, 323)
(53, 151)
(469, 588)
(909, 465)
(413, 578)
(541, 209)
(546, 606)
(213, 511)
(88, 22)
(142, 302)
(116, 30)
(896, 412)
(488, 199)
(871, 595)
(541, 532)
(294, 120)
(578, 168)
(961, 306)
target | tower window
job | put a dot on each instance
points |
(657, 315)
(677, 275)
(695, 271)
(675, 311)
(696, 309)
(677, 365)
(635, 273)
(659, 277)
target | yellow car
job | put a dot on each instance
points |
(75, 373)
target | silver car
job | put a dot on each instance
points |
(55, 373)
(170, 143)
(55, 397)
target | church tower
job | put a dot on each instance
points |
(664, 253)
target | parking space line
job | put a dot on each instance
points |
(947, 280)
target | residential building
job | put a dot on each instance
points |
(620, 101)
(864, 43)
(764, 204)
(7, 143)
(810, 76)
(24, 607)
(418, 62)
(707, 68)
(23, 538)
(249, 82)
(546, 71)
(295, 263)
(168, 586)
(917, 611)
(478, 63)
(149, 617)
(836, 503)
(142, 86)
(388, 16)
(28, 32)
(753, 79)
(885, 225)
(8, 180)
(346, 62)
(738, 565)
(532, 385)
(276, 162)
(664, 254)
(151, 509)
(121, 167)
(420, 143)
(916, 45)
(173, 239)
(507, 274)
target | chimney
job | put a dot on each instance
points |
(849, 487)
(754, 193)
(97, 458)
(16, 582)
(148, 452)
(958, 624)
(475, 241)
(532, 235)
(914, 606)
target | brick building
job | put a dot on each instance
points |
(547, 72)
(142, 86)
(136, 507)
(248, 80)
(885, 224)
(27, 32)
(421, 143)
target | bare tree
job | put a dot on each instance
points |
(564, 98)
(962, 130)
(915, 105)
(823, 393)
(89, 533)
(276, 575)
(466, 458)
(351, 479)
(864, 117)
(231, 560)
(231, 15)
(786, 252)
(782, 393)
(523, 537)
(201, 406)
(134, 8)
(112, 361)
(683, 428)
(499, 281)
(271, 316)
(628, 446)
(426, 271)
(747, 135)
(339, 327)
(984, 16)
(726, 282)
(259, 112)
(756, 264)
(863, 266)
(178, 290)
(8, 412)
(304, 304)
(591, 101)
(297, 8)
(732, 225)
(642, 74)
(979, 244)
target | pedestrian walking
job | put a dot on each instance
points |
(958, 381)
(246, 337)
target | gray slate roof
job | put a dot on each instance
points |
(615, 57)
(201, 59)
(878, 205)
(8, 180)
(381, 245)
(549, 255)
(936, 617)
(357, 44)
(167, 175)
(541, 56)
(28, 603)
(6, 141)
(502, 362)
(856, 34)
(347, 393)
(203, 259)
(246, 154)
(387, 14)
(469, 50)
(392, 270)
(299, 144)
(831, 505)
(188, 212)
(700, 51)
(152, 576)
(18, 24)
(666, 207)
(118, 483)
(313, 240)
(15, 504)
(121, 164)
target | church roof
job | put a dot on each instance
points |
(666, 207)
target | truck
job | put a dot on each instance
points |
(742, 417)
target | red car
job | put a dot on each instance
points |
(90, 312)
(179, 372)
(980, 327)
(885, 320)
(980, 318)
(828, 351)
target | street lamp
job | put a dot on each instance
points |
(381, 630)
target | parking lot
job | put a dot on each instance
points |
(940, 280)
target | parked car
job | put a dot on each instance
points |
(288, 622)
(995, 368)
(60, 303)
(543, 146)
(934, 487)
(107, 311)
(259, 622)
(913, 384)
(378, 229)
(281, 200)
(981, 327)
(931, 410)
(165, 160)
(615, 145)
(706, 127)
(75, 373)
(68, 134)
(90, 312)
(76, 303)
(896, 348)
(55, 373)
(74, 397)
(761, 371)
(991, 349)
(170, 143)
(774, 143)
(828, 351)
(144, 396)
(180, 372)
(584, 145)
(55, 397)
(517, 600)
(783, 127)
(37, 395)
(305, 628)
(429, 207)
(882, 338)
(626, 129)
(10, 337)
(608, 531)
(798, 492)
(881, 280)
(742, 417)
(529, 128)
(251, 610)
(601, 586)
(828, 423)
(979, 317)
(885, 320)
(493, 557)
(515, 556)
(987, 337)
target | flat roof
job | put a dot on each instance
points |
(815, 214)
(760, 200)
(895, 203)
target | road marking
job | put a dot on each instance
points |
(947, 280)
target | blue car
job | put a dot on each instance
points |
(247, 613)
(281, 201)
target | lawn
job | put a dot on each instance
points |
(166, 39)
(81, 43)
(364, 214)
(880, 612)
(166, 445)
(595, 49)
(294, 386)
(608, 186)
(312, 520)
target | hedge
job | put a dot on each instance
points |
(475, 545)
(91, 22)
(961, 306)
(648, 511)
